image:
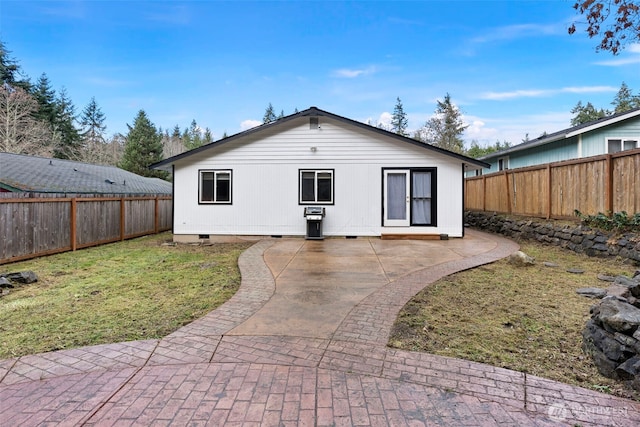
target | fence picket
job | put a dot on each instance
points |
(35, 226)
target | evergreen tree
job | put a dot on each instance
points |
(625, 100)
(92, 123)
(475, 150)
(192, 138)
(68, 138)
(399, 120)
(46, 97)
(176, 132)
(269, 115)
(10, 72)
(445, 128)
(587, 113)
(207, 138)
(281, 115)
(143, 147)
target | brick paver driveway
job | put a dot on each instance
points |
(302, 343)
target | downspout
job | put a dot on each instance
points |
(580, 146)
(463, 197)
(173, 199)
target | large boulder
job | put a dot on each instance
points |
(619, 316)
(24, 277)
(520, 259)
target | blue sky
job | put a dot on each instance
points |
(509, 65)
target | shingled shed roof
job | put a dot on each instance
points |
(21, 173)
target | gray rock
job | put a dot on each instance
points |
(625, 281)
(636, 274)
(575, 270)
(619, 316)
(521, 259)
(606, 278)
(5, 283)
(550, 264)
(605, 366)
(592, 292)
(629, 368)
(25, 277)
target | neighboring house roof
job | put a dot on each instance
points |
(316, 112)
(24, 173)
(566, 133)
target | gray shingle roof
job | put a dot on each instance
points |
(41, 175)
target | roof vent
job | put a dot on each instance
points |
(108, 181)
(313, 123)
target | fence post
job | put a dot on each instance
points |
(122, 216)
(484, 193)
(549, 189)
(506, 180)
(157, 216)
(609, 183)
(74, 224)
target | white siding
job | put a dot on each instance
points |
(265, 182)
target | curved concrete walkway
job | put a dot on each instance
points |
(302, 343)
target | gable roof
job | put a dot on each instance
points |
(316, 112)
(20, 172)
(567, 133)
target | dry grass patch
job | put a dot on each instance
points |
(528, 319)
(132, 290)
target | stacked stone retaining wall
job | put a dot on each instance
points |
(576, 237)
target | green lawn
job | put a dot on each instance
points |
(132, 290)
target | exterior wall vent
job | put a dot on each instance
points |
(313, 123)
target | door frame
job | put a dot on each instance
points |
(406, 222)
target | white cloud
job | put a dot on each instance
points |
(348, 73)
(385, 120)
(537, 93)
(633, 58)
(248, 124)
(588, 89)
(478, 130)
(510, 32)
(501, 96)
(488, 130)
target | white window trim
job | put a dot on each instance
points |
(316, 172)
(215, 172)
(621, 139)
(505, 163)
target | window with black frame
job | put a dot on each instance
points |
(215, 186)
(316, 186)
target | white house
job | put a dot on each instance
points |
(369, 181)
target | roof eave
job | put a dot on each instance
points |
(602, 124)
(315, 112)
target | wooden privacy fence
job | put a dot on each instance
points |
(606, 183)
(32, 227)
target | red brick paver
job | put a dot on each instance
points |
(198, 375)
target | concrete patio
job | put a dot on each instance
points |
(303, 342)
